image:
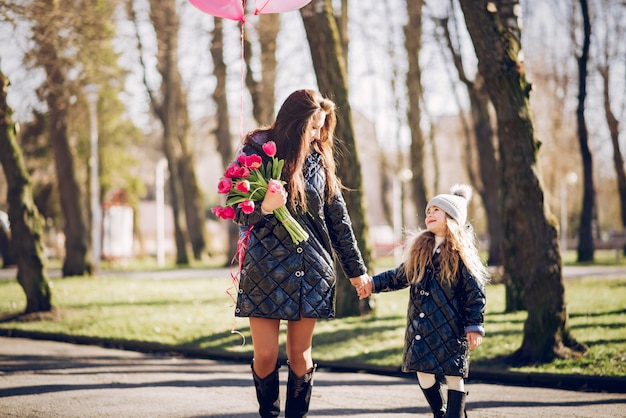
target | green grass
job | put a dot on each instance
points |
(198, 313)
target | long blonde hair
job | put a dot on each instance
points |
(459, 244)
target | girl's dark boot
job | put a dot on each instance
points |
(267, 393)
(456, 404)
(434, 397)
(299, 394)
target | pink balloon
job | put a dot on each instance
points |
(229, 9)
(279, 6)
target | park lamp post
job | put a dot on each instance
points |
(569, 179)
(92, 94)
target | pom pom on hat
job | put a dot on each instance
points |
(455, 203)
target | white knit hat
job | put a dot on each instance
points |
(455, 203)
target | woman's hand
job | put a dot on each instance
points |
(364, 285)
(474, 339)
(275, 197)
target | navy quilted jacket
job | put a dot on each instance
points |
(437, 320)
(282, 280)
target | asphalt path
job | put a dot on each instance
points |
(42, 379)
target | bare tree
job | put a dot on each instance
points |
(413, 45)
(166, 108)
(585, 231)
(170, 107)
(323, 37)
(49, 53)
(530, 248)
(262, 90)
(222, 129)
(612, 17)
(483, 135)
(26, 222)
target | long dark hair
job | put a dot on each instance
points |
(293, 118)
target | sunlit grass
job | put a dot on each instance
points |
(198, 313)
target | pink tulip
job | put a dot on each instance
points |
(232, 171)
(228, 213)
(253, 161)
(274, 186)
(241, 159)
(243, 172)
(224, 185)
(243, 186)
(247, 206)
(270, 148)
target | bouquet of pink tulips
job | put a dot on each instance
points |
(247, 180)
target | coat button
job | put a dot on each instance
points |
(240, 290)
(422, 314)
(237, 310)
(299, 250)
(418, 337)
(299, 273)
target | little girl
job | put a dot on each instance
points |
(447, 300)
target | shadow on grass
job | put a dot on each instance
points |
(597, 314)
(53, 315)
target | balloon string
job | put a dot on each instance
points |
(243, 21)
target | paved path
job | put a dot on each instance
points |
(42, 379)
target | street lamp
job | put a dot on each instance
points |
(92, 94)
(570, 179)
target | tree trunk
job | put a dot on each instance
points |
(194, 207)
(614, 131)
(262, 91)
(484, 138)
(530, 247)
(488, 169)
(585, 230)
(222, 129)
(413, 45)
(175, 120)
(77, 244)
(323, 37)
(26, 222)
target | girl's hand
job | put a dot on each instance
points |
(474, 339)
(364, 285)
(275, 197)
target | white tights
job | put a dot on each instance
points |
(427, 380)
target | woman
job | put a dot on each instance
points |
(280, 280)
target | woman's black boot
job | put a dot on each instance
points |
(434, 397)
(267, 393)
(456, 404)
(299, 394)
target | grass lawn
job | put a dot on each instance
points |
(198, 313)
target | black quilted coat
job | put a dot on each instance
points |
(282, 280)
(438, 318)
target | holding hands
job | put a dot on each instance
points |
(363, 285)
